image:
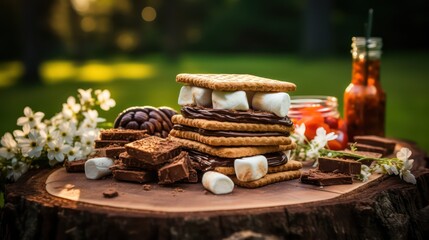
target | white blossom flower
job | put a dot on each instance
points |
(67, 131)
(86, 96)
(16, 169)
(75, 152)
(313, 152)
(322, 138)
(9, 146)
(71, 108)
(299, 134)
(91, 119)
(57, 150)
(87, 141)
(104, 99)
(405, 173)
(30, 118)
(365, 173)
(22, 133)
(33, 145)
(390, 169)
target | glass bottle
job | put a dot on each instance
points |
(364, 98)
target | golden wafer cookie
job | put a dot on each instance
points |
(231, 141)
(230, 126)
(289, 166)
(225, 170)
(268, 179)
(231, 152)
(235, 82)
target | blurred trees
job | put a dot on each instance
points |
(82, 29)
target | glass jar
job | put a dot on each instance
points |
(364, 98)
(319, 111)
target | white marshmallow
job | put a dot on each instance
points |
(217, 183)
(96, 168)
(277, 103)
(202, 96)
(230, 100)
(185, 96)
(251, 168)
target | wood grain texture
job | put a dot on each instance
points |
(387, 209)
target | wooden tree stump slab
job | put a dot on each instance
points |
(383, 208)
(187, 197)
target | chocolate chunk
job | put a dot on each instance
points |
(153, 150)
(363, 154)
(339, 165)
(122, 134)
(377, 141)
(177, 170)
(110, 152)
(369, 148)
(193, 176)
(75, 166)
(110, 193)
(316, 177)
(133, 162)
(107, 143)
(134, 175)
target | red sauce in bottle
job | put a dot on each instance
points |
(364, 98)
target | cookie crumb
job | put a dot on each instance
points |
(147, 187)
(110, 193)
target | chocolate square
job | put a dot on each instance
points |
(154, 150)
(122, 134)
(377, 141)
(316, 177)
(345, 166)
(176, 170)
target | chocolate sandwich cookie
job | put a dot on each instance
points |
(232, 141)
(223, 115)
(230, 126)
(231, 152)
(156, 121)
(206, 162)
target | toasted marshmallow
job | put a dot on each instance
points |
(251, 168)
(202, 96)
(217, 183)
(185, 96)
(230, 100)
(277, 103)
(96, 168)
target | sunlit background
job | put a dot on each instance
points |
(135, 48)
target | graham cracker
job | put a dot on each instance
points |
(235, 82)
(291, 165)
(232, 141)
(268, 179)
(231, 152)
(230, 126)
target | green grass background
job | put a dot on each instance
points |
(404, 77)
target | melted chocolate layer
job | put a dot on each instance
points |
(228, 133)
(207, 162)
(249, 116)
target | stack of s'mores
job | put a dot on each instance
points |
(229, 117)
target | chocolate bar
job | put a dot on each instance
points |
(153, 150)
(369, 148)
(122, 134)
(377, 141)
(345, 166)
(133, 162)
(177, 170)
(363, 154)
(316, 177)
(107, 143)
(133, 175)
(75, 166)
